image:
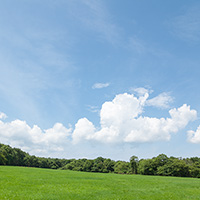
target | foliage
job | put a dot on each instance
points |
(174, 167)
(134, 164)
(122, 167)
(160, 165)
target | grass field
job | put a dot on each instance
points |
(32, 183)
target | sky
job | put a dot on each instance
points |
(110, 78)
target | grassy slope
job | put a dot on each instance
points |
(32, 183)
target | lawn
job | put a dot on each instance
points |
(33, 183)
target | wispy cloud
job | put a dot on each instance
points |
(95, 16)
(138, 45)
(94, 109)
(161, 101)
(33, 66)
(100, 85)
(187, 25)
(141, 47)
(141, 91)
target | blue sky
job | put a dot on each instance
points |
(109, 78)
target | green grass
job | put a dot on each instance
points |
(32, 183)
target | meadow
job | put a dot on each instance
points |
(35, 183)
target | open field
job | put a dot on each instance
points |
(34, 183)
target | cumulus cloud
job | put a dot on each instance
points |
(84, 129)
(121, 121)
(194, 136)
(100, 85)
(19, 134)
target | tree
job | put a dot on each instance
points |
(98, 165)
(108, 165)
(18, 157)
(161, 160)
(87, 166)
(147, 167)
(194, 172)
(175, 167)
(122, 167)
(3, 159)
(134, 164)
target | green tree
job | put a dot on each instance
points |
(87, 166)
(108, 165)
(175, 167)
(3, 159)
(160, 160)
(98, 165)
(146, 167)
(122, 167)
(134, 164)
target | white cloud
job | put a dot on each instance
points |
(162, 100)
(194, 136)
(100, 85)
(140, 91)
(3, 115)
(121, 121)
(19, 134)
(84, 129)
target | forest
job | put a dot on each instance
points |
(161, 165)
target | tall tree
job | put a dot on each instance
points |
(134, 164)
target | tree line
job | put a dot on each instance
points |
(161, 165)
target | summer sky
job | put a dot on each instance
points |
(110, 78)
